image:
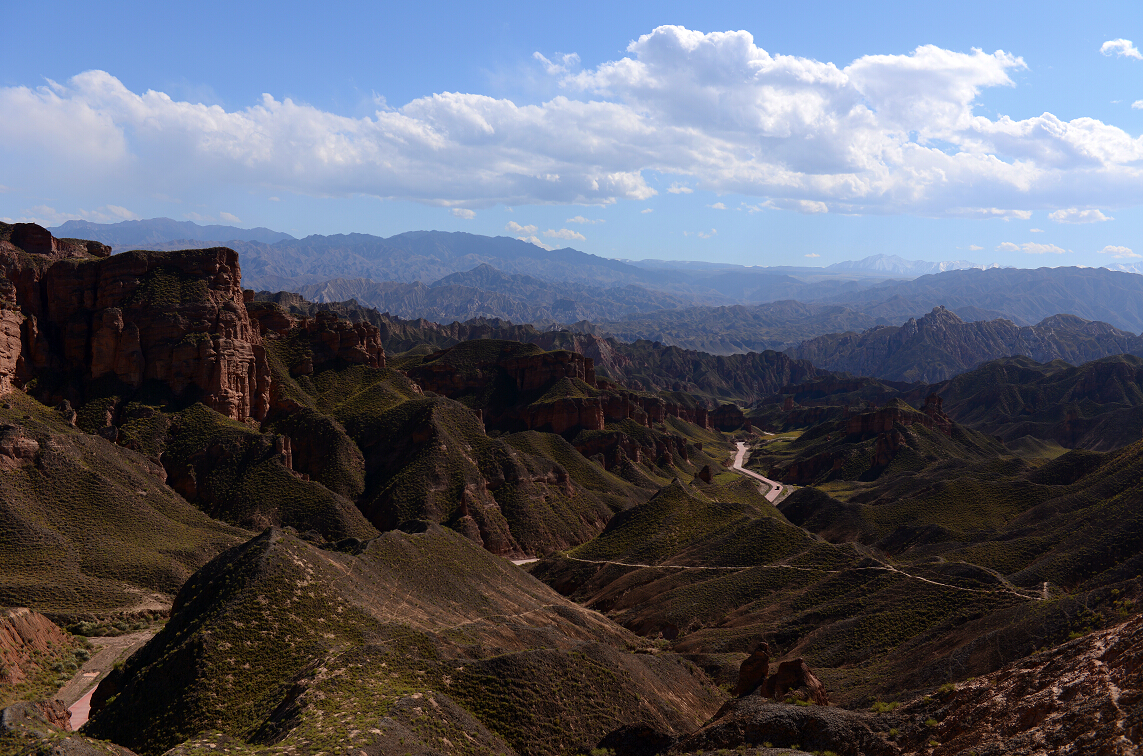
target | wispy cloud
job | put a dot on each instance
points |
(581, 219)
(717, 206)
(229, 217)
(812, 254)
(561, 63)
(677, 188)
(646, 210)
(1118, 252)
(1035, 230)
(975, 248)
(462, 212)
(49, 216)
(1121, 47)
(1031, 248)
(1075, 215)
(705, 235)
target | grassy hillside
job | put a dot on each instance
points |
(888, 587)
(87, 526)
(414, 640)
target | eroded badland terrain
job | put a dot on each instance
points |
(241, 522)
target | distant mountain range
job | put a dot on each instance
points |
(135, 233)
(941, 345)
(712, 307)
(485, 292)
(427, 256)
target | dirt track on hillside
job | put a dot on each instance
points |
(76, 694)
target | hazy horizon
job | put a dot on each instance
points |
(742, 134)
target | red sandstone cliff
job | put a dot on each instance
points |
(174, 317)
(327, 337)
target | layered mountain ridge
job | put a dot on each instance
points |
(940, 345)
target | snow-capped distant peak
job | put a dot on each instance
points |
(895, 265)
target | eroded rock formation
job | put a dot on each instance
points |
(754, 670)
(174, 317)
(25, 637)
(898, 413)
(16, 447)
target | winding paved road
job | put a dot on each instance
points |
(775, 487)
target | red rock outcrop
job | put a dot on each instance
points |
(271, 318)
(888, 444)
(39, 241)
(791, 675)
(331, 338)
(25, 636)
(11, 346)
(175, 317)
(754, 670)
(728, 417)
(564, 414)
(16, 448)
(615, 448)
(754, 676)
(1085, 696)
(535, 371)
(896, 413)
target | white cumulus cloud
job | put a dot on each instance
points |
(229, 217)
(462, 212)
(883, 134)
(564, 233)
(975, 248)
(646, 210)
(516, 228)
(717, 206)
(1075, 215)
(1137, 105)
(1118, 252)
(1121, 47)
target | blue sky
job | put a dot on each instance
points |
(996, 132)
